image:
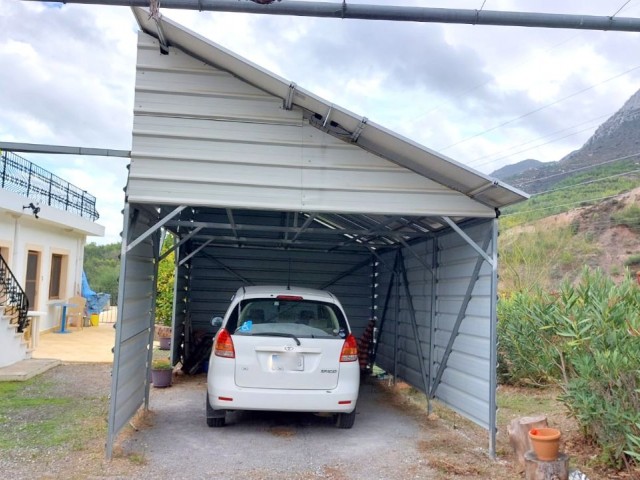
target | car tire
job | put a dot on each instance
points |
(214, 419)
(346, 420)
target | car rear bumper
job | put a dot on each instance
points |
(225, 395)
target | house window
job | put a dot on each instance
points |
(56, 280)
(31, 283)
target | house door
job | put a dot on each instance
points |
(31, 284)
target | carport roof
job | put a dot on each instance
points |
(334, 119)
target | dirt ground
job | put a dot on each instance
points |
(393, 438)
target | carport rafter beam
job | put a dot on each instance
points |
(155, 227)
(345, 273)
(418, 257)
(456, 326)
(469, 240)
(182, 241)
(392, 234)
(395, 13)
(228, 269)
(188, 257)
(305, 225)
(414, 322)
(232, 222)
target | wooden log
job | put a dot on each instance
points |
(518, 431)
(540, 470)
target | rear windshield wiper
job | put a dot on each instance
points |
(277, 334)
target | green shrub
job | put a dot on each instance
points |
(521, 361)
(588, 339)
(629, 216)
(633, 260)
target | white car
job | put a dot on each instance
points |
(283, 349)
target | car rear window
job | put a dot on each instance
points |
(303, 318)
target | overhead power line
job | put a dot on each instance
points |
(580, 169)
(494, 159)
(543, 107)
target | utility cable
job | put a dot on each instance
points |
(589, 182)
(618, 11)
(581, 168)
(472, 162)
(536, 146)
(543, 107)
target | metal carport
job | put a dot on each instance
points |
(263, 182)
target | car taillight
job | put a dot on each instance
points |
(349, 350)
(223, 347)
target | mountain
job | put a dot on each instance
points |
(516, 169)
(616, 140)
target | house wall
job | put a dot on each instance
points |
(53, 233)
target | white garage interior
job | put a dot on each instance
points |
(262, 182)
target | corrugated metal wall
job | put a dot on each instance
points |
(136, 305)
(204, 137)
(218, 272)
(397, 351)
(466, 382)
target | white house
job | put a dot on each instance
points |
(44, 224)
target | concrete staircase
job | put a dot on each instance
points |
(13, 345)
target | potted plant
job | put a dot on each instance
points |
(545, 443)
(164, 336)
(161, 373)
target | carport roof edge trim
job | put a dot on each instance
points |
(372, 137)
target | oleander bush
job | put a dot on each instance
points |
(586, 338)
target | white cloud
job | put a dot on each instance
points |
(69, 70)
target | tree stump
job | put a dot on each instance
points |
(518, 431)
(536, 469)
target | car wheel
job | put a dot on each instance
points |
(346, 420)
(214, 418)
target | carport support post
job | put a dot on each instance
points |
(414, 324)
(493, 354)
(152, 317)
(432, 313)
(128, 221)
(396, 326)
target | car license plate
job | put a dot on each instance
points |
(287, 363)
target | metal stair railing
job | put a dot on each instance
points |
(13, 297)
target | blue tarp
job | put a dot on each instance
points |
(96, 302)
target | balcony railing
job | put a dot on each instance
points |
(21, 176)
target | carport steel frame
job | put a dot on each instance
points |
(150, 235)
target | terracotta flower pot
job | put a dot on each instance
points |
(545, 443)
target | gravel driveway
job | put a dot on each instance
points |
(383, 444)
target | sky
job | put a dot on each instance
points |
(485, 96)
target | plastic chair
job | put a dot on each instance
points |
(75, 312)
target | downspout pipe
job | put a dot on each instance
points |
(343, 10)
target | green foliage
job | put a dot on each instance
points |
(605, 181)
(102, 266)
(534, 258)
(588, 339)
(521, 361)
(633, 260)
(161, 364)
(164, 292)
(629, 216)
